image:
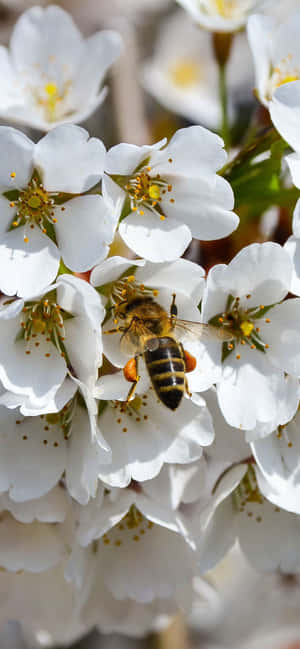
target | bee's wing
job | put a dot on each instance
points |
(136, 339)
(201, 330)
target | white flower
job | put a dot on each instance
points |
(221, 15)
(183, 74)
(278, 457)
(174, 193)
(243, 297)
(144, 434)
(37, 452)
(52, 335)
(52, 75)
(140, 546)
(40, 199)
(275, 49)
(267, 535)
(285, 114)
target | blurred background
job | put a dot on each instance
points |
(167, 78)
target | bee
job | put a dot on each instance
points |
(149, 331)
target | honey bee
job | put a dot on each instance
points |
(150, 332)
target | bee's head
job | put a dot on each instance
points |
(128, 290)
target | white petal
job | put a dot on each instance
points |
(18, 159)
(125, 158)
(84, 459)
(69, 160)
(293, 161)
(46, 40)
(34, 375)
(27, 268)
(296, 220)
(32, 458)
(218, 537)
(254, 375)
(272, 545)
(181, 275)
(286, 407)
(259, 31)
(111, 269)
(204, 204)
(84, 231)
(283, 336)
(51, 508)
(285, 112)
(194, 151)
(153, 239)
(35, 547)
(98, 54)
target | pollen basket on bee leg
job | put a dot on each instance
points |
(130, 370)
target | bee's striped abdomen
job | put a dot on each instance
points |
(166, 367)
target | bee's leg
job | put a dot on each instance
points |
(130, 372)
(173, 310)
(114, 331)
(186, 387)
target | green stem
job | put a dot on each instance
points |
(225, 129)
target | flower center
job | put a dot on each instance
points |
(51, 99)
(131, 528)
(34, 206)
(225, 8)
(136, 410)
(242, 324)
(44, 318)
(247, 498)
(185, 73)
(146, 190)
(283, 73)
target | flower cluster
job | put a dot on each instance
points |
(149, 407)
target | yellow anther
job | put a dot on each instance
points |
(246, 327)
(267, 320)
(238, 356)
(154, 192)
(142, 213)
(26, 239)
(131, 278)
(13, 174)
(12, 204)
(162, 217)
(155, 292)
